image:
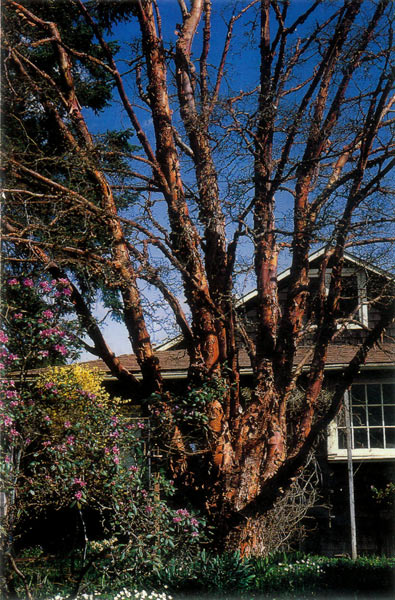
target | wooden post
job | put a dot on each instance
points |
(347, 407)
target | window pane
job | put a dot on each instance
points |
(375, 415)
(389, 415)
(389, 393)
(376, 438)
(359, 416)
(349, 298)
(342, 439)
(389, 438)
(374, 393)
(358, 394)
(360, 438)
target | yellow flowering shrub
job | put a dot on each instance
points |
(73, 386)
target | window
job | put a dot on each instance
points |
(372, 423)
(353, 301)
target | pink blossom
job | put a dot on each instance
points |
(3, 337)
(61, 349)
(115, 450)
(78, 495)
(47, 419)
(48, 332)
(176, 519)
(11, 394)
(7, 459)
(140, 425)
(106, 450)
(116, 460)
(67, 424)
(78, 481)
(44, 353)
(46, 444)
(44, 285)
(194, 522)
(183, 512)
(13, 281)
(148, 509)
(8, 422)
(12, 357)
(133, 468)
(13, 433)
(70, 439)
(63, 281)
(18, 316)
(28, 282)
(48, 314)
(66, 292)
(194, 534)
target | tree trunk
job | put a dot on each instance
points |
(248, 537)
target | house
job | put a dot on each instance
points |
(372, 401)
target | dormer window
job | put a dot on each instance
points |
(353, 303)
(354, 297)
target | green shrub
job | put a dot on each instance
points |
(365, 574)
(287, 573)
(208, 572)
(303, 573)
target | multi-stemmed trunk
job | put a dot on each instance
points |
(249, 455)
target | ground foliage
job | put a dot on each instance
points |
(288, 575)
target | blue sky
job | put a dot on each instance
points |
(242, 74)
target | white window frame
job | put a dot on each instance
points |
(340, 454)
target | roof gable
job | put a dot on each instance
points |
(281, 279)
(314, 257)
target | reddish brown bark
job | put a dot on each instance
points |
(247, 450)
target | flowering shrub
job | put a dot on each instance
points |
(123, 594)
(142, 595)
(33, 318)
(67, 445)
(69, 393)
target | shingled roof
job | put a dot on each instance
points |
(174, 363)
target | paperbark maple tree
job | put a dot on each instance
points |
(313, 126)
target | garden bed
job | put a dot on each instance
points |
(214, 577)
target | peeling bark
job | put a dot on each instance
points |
(247, 455)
